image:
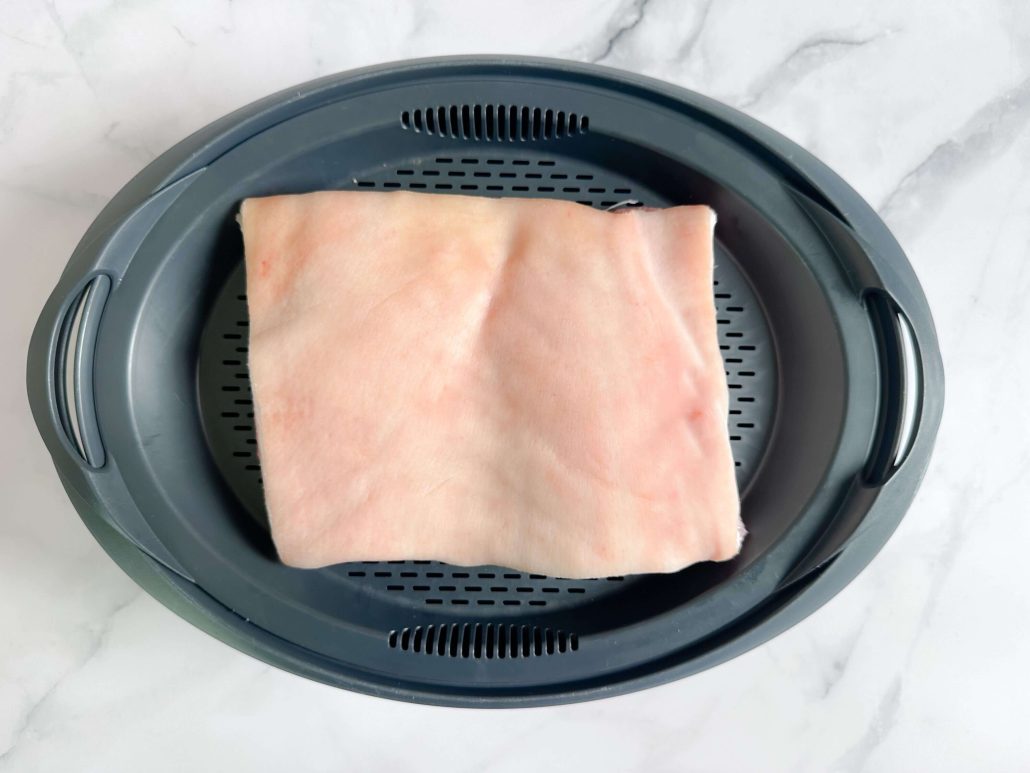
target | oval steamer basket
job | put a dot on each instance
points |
(138, 381)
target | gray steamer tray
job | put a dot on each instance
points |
(138, 380)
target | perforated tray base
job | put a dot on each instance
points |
(228, 407)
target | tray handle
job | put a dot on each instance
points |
(911, 388)
(70, 387)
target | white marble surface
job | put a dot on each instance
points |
(921, 664)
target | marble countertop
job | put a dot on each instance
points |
(920, 664)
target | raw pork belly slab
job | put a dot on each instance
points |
(528, 383)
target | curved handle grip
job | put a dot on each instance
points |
(900, 388)
(70, 389)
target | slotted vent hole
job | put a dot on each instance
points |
(479, 641)
(494, 123)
